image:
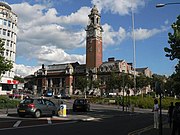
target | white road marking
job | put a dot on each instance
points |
(43, 125)
(49, 120)
(17, 123)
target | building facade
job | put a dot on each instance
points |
(8, 33)
(63, 78)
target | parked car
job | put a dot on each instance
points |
(62, 96)
(81, 105)
(36, 107)
(49, 93)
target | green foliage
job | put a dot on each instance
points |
(175, 85)
(138, 101)
(81, 83)
(96, 83)
(173, 52)
(5, 65)
(19, 79)
(142, 81)
(5, 102)
(174, 41)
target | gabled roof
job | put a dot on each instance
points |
(141, 69)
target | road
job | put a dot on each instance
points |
(102, 119)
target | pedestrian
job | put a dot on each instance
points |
(170, 113)
(176, 119)
(156, 114)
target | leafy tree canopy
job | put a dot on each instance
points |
(174, 41)
(19, 79)
(5, 65)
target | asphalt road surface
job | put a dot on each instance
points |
(107, 120)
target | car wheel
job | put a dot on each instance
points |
(53, 113)
(37, 114)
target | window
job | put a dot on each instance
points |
(0, 30)
(11, 44)
(7, 52)
(90, 49)
(1, 21)
(9, 24)
(8, 42)
(8, 33)
(12, 34)
(4, 32)
(5, 22)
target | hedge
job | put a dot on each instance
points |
(6, 102)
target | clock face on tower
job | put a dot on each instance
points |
(91, 33)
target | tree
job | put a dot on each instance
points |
(174, 41)
(21, 80)
(112, 82)
(175, 85)
(174, 53)
(5, 65)
(142, 81)
(81, 83)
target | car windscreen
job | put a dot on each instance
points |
(27, 101)
(79, 101)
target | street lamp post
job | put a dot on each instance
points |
(123, 87)
(158, 87)
(134, 49)
(164, 4)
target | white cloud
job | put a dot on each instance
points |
(41, 26)
(46, 35)
(22, 70)
(111, 37)
(142, 34)
(121, 7)
(51, 55)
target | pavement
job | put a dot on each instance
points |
(166, 130)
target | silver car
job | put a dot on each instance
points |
(36, 107)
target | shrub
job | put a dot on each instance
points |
(5, 102)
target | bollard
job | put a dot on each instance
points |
(62, 110)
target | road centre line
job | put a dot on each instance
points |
(17, 123)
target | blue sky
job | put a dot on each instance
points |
(52, 31)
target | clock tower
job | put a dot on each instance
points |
(94, 40)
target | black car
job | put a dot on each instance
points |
(36, 107)
(81, 105)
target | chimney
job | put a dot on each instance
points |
(111, 59)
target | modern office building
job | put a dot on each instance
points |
(8, 33)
